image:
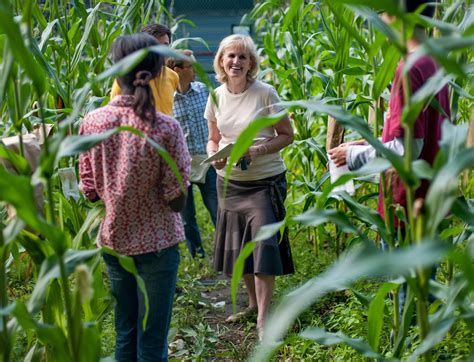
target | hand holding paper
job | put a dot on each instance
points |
(219, 155)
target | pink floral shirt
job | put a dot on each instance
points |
(134, 182)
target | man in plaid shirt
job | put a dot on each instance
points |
(189, 103)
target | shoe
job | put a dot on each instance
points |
(247, 313)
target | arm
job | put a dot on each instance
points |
(87, 183)
(283, 138)
(178, 203)
(173, 191)
(355, 156)
(213, 143)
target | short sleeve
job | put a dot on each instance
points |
(273, 99)
(115, 89)
(176, 147)
(210, 111)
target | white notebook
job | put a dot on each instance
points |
(222, 153)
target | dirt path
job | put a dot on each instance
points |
(235, 339)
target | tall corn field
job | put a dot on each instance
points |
(332, 63)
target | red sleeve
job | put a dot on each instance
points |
(393, 127)
(417, 80)
(87, 184)
(176, 147)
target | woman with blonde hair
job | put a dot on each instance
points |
(257, 186)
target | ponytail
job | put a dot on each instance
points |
(144, 104)
(138, 79)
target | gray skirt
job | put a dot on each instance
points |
(246, 207)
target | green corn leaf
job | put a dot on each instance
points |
(376, 314)
(127, 64)
(17, 191)
(357, 124)
(90, 343)
(328, 339)
(20, 52)
(47, 34)
(128, 264)
(53, 75)
(363, 262)
(176, 43)
(74, 145)
(6, 68)
(315, 217)
(50, 271)
(267, 231)
(367, 214)
(245, 139)
(443, 190)
(93, 218)
(50, 335)
(20, 164)
(463, 210)
(345, 20)
(238, 271)
(406, 320)
(292, 12)
(11, 231)
(386, 72)
(37, 249)
(380, 5)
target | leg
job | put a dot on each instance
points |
(250, 285)
(263, 290)
(191, 230)
(123, 286)
(158, 271)
(209, 193)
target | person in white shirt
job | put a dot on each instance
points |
(257, 186)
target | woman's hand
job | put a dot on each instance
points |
(255, 151)
(339, 154)
(219, 164)
(178, 203)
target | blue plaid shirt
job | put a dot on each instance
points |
(189, 109)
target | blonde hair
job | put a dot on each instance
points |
(237, 40)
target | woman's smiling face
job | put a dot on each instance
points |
(236, 62)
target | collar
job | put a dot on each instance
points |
(193, 88)
(122, 100)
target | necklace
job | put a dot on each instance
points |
(247, 85)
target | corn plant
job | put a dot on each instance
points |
(54, 69)
(377, 48)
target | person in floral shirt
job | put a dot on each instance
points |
(142, 198)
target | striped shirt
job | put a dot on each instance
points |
(189, 111)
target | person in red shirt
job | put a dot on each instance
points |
(427, 127)
(142, 199)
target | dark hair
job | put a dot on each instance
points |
(139, 78)
(173, 62)
(412, 5)
(156, 30)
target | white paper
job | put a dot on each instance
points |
(222, 153)
(335, 173)
(69, 185)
